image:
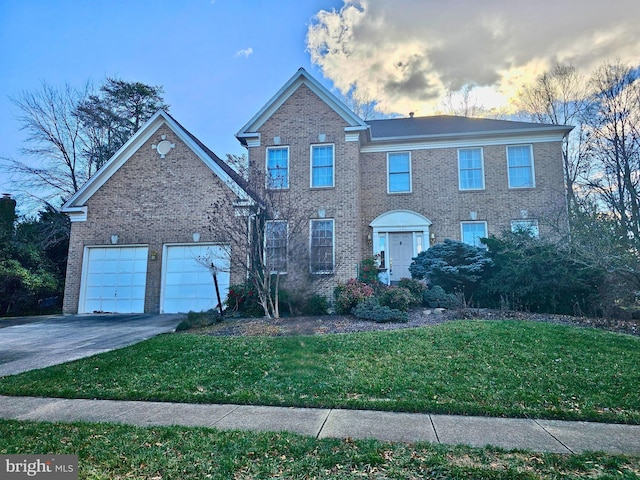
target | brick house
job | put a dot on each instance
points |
(143, 226)
(387, 187)
(394, 187)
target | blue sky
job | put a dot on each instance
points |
(219, 61)
(197, 50)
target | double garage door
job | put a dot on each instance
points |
(115, 278)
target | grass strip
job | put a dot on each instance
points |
(116, 452)
(495, 368)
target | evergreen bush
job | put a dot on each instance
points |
(455, 266)
(199, 320)
(398, 298)
(436, 297)
(416, 287)
(368, 271)
(370, 309)
(316, 305)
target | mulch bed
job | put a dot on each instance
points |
(417, 318)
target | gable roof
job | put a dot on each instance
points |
(444, 126)
(301, 77)
(76, 208)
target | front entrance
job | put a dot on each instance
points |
(400, 255)
(398, 236)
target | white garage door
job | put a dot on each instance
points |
(187, 282)
(114, 280)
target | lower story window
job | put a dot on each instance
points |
(276, 246)
(472, 232)
(526, 226)
(321, 248)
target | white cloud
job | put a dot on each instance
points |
(408, 53)
(246, 52)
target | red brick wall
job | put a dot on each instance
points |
(435, 193)
(149, 201)
(298, 123)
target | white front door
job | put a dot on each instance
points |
(400, 255)
(114, 280)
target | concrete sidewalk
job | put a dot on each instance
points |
(537, 435)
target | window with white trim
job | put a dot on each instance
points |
(322, 166)
(520, 165)
(470, 169)
(277, 167)
(399, 172)
(321, 249)
(526, 226)
(472, 232)
(275, 246)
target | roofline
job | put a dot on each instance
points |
(550, 130)
(299, 78)
(478, 133)
(132, 145)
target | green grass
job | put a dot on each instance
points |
(115, 452)
(497, 368)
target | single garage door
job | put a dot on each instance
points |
(114, 280)
(187, 281)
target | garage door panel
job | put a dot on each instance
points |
(114, 279)
(188, 282)
(111, 266)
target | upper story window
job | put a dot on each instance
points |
(520, 162)
(322, 166)
(277, 167)
(526, 226)
(472, 232)
(275, 248)
(321, 247)
(399, 172)
(470, 169)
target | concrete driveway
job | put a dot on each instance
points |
(51, 340)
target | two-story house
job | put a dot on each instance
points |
(384, 187)
(394, 187)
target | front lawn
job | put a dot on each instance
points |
(117, 452)
(496, 368)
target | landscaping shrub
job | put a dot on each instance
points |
(368, 271)
(370, 309)
(436, 297)
(455, 266)
(416, 287)
(198, 320)
(398, 298)
(538, 275)
(348, 295)
(316, 305)
(244, 300)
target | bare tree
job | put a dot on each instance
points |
(614, 144)
(72, 132)
(268, 239)
(360, 103)
(55, 165)
(561, 97)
